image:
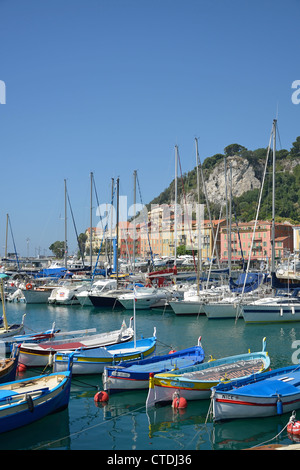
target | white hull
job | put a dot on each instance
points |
(116, 383)
(271, 313)
(238, 406)
(161, 394)
(84, 300)
(37, 355)
(187, 307)
(36, 296)
(221, 310)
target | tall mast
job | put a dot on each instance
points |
(134, 214)
(175, 208)
(91, 223)
(273, 198)
(66, 243)
(199, 261)
(111, 222)
(117, 234)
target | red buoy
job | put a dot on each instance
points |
(294, 428)
(101, 396)
(21, 368)
(179, 402)
(172, 351)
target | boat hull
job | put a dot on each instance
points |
(186, 307)
(18, 410)
(94, 361)
(36, 296)
(195, 383)
(271, 394)
(39, 355)
(105, 301)
(271, 314)
(135, 376)
(221, 310)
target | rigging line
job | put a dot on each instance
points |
(105, 229)
(90, 427)
(77, 237)
(12, 236)
(97, 199)
(145, 221)
(175, 221)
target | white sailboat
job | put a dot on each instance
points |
(277, 308)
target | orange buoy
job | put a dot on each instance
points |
(172, 351)
(101, 396)
(179, 402)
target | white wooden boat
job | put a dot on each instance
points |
(37, 355)
(93, 361)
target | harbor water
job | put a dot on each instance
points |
(123, 423)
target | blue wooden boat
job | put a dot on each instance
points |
(93, 361)
(268, 394)
(135, 375)
(24, 401)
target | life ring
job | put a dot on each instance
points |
(28, 286)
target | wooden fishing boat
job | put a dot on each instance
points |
(25, 401)
(40, 354)
(269, 394)
(36, 337)
(7, 330)
(8, 366)
(195, 383)
(93, 361)
(135, 375)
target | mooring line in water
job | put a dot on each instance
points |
(88, 428)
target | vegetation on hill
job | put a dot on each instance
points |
(287, 184)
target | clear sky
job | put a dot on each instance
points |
(111, 86)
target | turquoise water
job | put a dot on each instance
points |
(123, 423)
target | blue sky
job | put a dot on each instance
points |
(111, 86)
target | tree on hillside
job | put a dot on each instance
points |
(295, 150)
(234, 149)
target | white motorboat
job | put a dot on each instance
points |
(144, 298)
(66, 294)
(98, 287)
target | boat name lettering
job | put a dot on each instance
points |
(116, 373)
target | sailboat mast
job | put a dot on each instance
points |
(66, 243)
(175, 208)
(273, 198)
(134, 214)
(91, 223)
(199, 260)
(117, 235)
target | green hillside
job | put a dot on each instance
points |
(287, 183)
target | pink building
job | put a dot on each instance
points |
(241, 240)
